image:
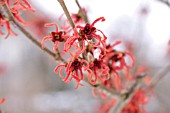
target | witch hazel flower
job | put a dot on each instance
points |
(73, 41)
(9, 30)
(6, 23)
(77, 17)
(116, 59)
(74, 70)
(100, 71)
(85, 34)
(55, 36)
(18, 6)
(25, 5)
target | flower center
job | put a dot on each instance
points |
(97, 63)
(117, 56)
(57, 36)
(87, 29)
(76, 65)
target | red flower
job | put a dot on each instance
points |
(4, 22)
(18, 18)
(56, 37)
(71, 41)
(116, 59)
(18, 6)
(85, 34)
(77, 17)
(74, 70)
(100, 71)
(9, 30)
(24, 5)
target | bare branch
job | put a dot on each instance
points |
(159, 76)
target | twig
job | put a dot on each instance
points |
(84, 15)
(67, 13)
(159, 76)
(56, 56)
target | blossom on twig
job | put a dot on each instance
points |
(74, 70)
(56, 37)
(85, 34)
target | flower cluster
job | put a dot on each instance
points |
(16, 9)
(78, 17)
(74, 70)
(83, 43)
(6, 23)
(108, 68)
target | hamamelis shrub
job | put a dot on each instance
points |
(109, 74)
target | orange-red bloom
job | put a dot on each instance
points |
(74, 70)
(85, 34)
(56, 37)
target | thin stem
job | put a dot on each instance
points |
(159, 76)
(30, 37)
(84, 15)
(62, 3)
